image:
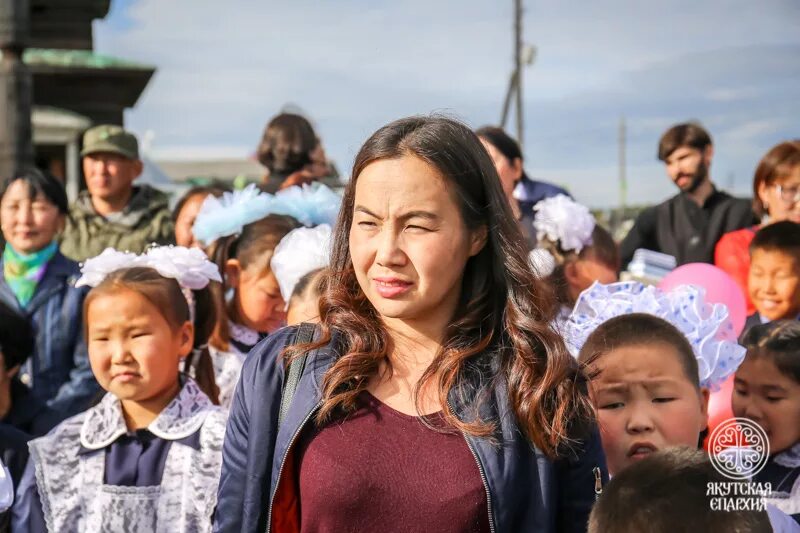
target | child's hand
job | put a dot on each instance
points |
(5, 386)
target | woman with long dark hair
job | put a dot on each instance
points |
(436, 396)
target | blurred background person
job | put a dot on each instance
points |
(186, 210)
(522, 192)
(776, 197)
(112, 212)
(38, 284)
(688, 225)
(292, 153)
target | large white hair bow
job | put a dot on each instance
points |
(564, 221)
(706, 326)
(188, 266)
(300, 252)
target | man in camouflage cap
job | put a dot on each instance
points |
(112, 212)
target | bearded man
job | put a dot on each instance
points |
(688, 225)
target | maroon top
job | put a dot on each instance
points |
(382, 470)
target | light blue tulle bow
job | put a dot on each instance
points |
(707, 326)
(311, 205)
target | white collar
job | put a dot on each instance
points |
(183, 416)
(243, 334)
(789, 458)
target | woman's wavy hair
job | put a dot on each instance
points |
(504, 310)
(776, 165)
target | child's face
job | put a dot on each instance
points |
(133, 350)
(258, 298)
(774, 284)
(645, 403)
(185, 221)
(763, 394)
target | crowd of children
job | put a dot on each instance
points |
(168, 330)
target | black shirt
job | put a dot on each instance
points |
(689, 232)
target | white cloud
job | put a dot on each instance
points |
(225, 68)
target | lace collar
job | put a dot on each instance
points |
(105, 423)
(789, 458)
(243, 334)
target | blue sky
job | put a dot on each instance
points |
(352, 65)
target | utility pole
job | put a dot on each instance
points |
(518, 69)
(16, 146)
(623, 181)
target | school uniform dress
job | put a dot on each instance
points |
(92, 474)
(228, 363)
(783, 473)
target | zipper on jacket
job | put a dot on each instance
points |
(483, 476)
(283, 463)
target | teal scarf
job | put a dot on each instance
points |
(24, 272)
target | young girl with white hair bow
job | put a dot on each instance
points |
(147, 457)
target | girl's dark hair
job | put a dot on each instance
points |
(777, 164)
(165, 294)
(40, 183)
(778, 341)
(504, 143)
(254, 246)
(16, 337)
(637, 329)
(309, 282)
(287, 144)
(204, 190)
(602, 249)
(502, 322)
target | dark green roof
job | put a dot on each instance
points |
(53, 57)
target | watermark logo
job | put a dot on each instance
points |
(739, 448)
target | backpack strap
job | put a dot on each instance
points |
(304, 335)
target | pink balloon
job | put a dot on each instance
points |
(720, 289)
(719, 406)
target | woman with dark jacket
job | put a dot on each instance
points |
(521, 191)
(436, 396)
(38, 284)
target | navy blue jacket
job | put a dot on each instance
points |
(58, 373)
(528, 193)
(526, 491)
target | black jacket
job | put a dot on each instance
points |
(689, 232)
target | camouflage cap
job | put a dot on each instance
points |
(111, 139)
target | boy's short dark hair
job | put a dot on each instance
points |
(778, 341)
(16, 337)
(690, 134)
(667, 493)
(636, 329)
(781, 236)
